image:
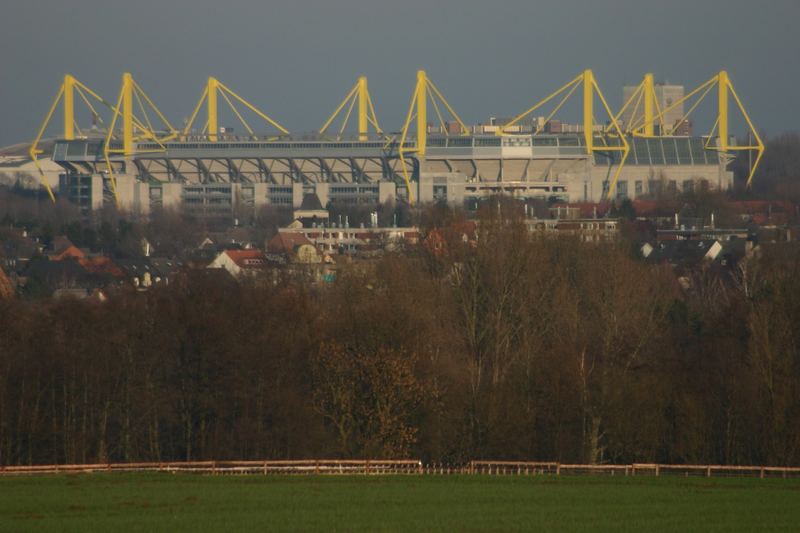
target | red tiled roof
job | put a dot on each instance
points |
(247, 258)
(101, 265)
(762, 206)
(286, 242)
(69, 251)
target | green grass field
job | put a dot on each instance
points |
(185, 502)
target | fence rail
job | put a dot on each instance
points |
(409, 466)
(306, 466)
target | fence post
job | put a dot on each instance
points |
(657, 469)
(761, 474)
(558, 469)
(708, 472)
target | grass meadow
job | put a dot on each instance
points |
(192, 502)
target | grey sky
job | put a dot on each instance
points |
(295, 59)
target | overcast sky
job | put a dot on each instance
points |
(296, 58)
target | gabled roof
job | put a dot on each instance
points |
(311, 203)
(70, 251)
(682, 252)
(60, 244)
(101, 265)
(247, 258)
(286, 242)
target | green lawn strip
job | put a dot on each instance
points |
(185, 502)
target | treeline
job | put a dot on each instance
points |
(512, 346)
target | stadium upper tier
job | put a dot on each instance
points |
(656, 151)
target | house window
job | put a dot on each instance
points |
(639, 187)
(440, 193)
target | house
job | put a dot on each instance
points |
(17, 249)
(241, 262)
(286, 242)
(683, 253)
(465, 231)
(311, 213)
(345, 241)
(102, 266)
(64, 274)
(144, 272)
(62, 248)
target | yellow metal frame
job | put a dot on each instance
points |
(66, 92)
(418, 109)
(643, 101)
(590, 88)
(133, 128)
(724, 88)
(366, 111)
(213, 88)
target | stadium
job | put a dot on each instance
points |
(139, 164)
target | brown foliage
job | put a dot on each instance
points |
(509, 346)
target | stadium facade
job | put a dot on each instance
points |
(228, 175)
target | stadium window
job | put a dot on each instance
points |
(622, 189)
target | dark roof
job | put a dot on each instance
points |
(156, 266)
(286, 242)
(60, 244)
(684, 252)
(65, 273)
(311, 203)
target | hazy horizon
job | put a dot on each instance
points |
(296, 61)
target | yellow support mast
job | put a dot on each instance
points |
(363, 95)
(721, 81)
(590, 90)
(588, 110)
(642, 102)
(649, 104)
(359, 94)
(418, 109)
(422, 112)
(69, 107)
(134, 129)
(213, 89)
(70, 86)
(722, 95)
(211, 108)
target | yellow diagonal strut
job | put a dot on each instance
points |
(720, 81)
(418, 109)
(209, 97)
(590, 90)
(358, 94)
(131, 92)
(66, 96)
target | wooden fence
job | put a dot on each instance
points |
(307, 466)
(635, 469)
(410, 466)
